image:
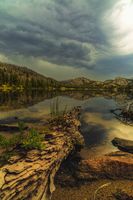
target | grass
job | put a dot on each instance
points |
(8, 143)
(28, 141)
(21, 126)
(55, 108)
(33, 140)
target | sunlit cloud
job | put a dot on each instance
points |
(119, 22)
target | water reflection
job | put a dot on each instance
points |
(15, 100)
(99, 125)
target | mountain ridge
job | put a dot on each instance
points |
(16, 75)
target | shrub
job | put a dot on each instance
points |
(33, 140)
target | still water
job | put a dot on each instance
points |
(98, 124)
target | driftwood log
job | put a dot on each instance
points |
(124, 115)
(123, 145)
(30, 175)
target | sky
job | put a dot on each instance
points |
(64, 39)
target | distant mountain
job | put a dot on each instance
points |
(117, 83)
(77, 81)
(80, 82)
(22, 76)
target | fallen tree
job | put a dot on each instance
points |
(30, 174)
(125, 114)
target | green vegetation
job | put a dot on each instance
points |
(33, 140)
(8, 143)
(21, 78)
(25, 141)
(21, 126)
(55, 109)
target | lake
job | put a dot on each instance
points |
(98, 124)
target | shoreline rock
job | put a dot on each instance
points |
(116, 165)
(123, 145)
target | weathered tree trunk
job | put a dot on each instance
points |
(124, 115)
(31, 175)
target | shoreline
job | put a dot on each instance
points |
(32, 173)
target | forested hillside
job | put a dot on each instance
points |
(15, 76)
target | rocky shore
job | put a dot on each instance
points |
(30, 174)
(105, 177)
(116, 165)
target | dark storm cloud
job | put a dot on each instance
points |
(63, 32)
(58, 38)
(116, 66)
(21, 41)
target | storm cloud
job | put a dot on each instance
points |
(72, 33)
